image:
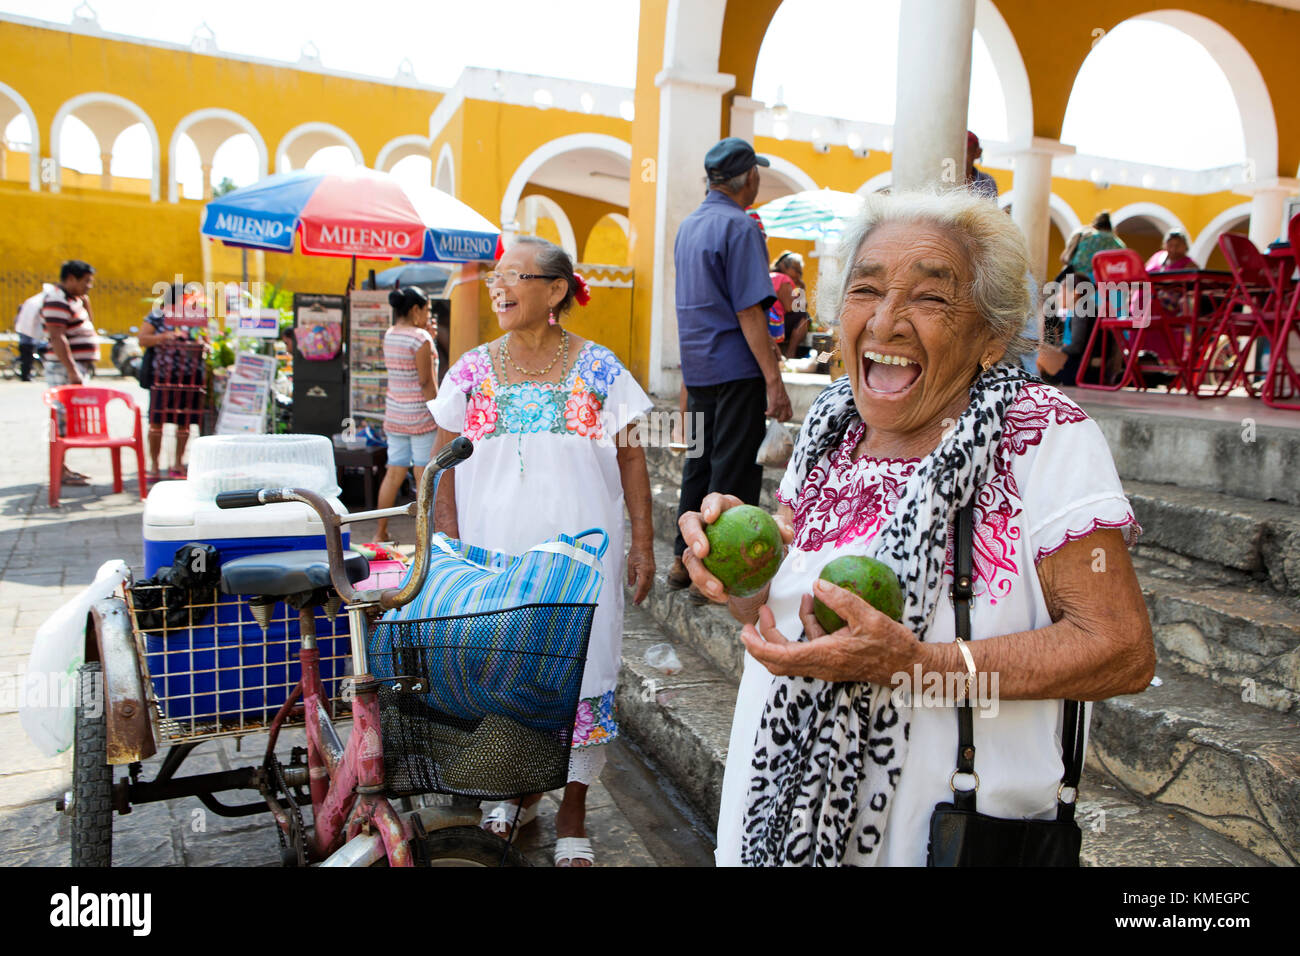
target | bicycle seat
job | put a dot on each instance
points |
(287, 572)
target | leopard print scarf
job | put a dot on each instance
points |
(828, 756)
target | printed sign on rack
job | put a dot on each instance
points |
(371, 316)
(248, 393)
(255, 323)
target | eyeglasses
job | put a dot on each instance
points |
(511, 277)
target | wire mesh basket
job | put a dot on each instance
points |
(503, 690)
(213, 670)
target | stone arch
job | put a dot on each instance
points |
(1155, 213)
(1062, 214)
(111, 100)
(444, 176)
(399, 148)
(1254, 105)
(547, 151)
(227, 118)
(1010, 68)
(23, 109)
(1207, 240)
(783, 169)
(555, 212)
(312, 137)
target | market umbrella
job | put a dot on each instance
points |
(415, 273)
(813, 214)
(359, 214)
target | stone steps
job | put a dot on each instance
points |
(1244, 639)
(1261, 539)
(1199, 750)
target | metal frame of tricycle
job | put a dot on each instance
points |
(346, 784)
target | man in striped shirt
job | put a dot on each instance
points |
(73, 342)
(67, 318)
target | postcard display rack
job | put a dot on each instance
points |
(320, 371)
(370, 316)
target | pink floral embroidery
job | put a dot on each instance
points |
(1035, 408)
(470, 370)
(584, 721)
(480, 417)
(582, 415)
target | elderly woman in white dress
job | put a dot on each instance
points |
(553, 420)
(828, 764)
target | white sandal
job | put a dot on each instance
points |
(504, 814)
(574, 848)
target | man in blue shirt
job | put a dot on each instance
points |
(730, 366)
(978, 181)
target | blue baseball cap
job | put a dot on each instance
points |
(729, 158)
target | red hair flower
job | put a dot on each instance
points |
(583, 294)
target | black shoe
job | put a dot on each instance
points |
(678, 576)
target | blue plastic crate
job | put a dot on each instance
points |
(226, 670)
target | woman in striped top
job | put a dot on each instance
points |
(412, 381)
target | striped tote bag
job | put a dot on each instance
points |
(498, 634)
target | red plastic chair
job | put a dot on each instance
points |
(1120, 335)
(85, 425)
(1251, 314)
(1283, 378)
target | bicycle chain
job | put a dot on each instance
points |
(296, 828)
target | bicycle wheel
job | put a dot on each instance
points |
(92, 776)
(469, 846)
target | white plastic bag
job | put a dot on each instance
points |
(777, 447)
(663, 658)
(49, 688)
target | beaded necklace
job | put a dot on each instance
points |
(504, 356)
(561, 352)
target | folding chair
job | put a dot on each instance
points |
(1122, 334)
(1250, 315)
(1283, 378)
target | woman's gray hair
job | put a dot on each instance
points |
(1004, 291)
(551, 260)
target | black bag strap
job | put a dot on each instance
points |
(962, 590)
(1073, 722)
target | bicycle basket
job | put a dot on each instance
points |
(503, 689)
(500, 643)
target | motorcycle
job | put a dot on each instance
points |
(126, 354)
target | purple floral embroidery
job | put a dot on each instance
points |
(470, 370)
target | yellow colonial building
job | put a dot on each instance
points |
(607, 172)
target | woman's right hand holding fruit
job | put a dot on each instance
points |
(694, 526)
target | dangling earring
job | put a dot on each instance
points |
(552, 320)
(986, 364)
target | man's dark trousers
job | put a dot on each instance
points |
(725, 427)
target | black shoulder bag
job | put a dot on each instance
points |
(959, 834)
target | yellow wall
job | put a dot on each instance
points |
(607, 243)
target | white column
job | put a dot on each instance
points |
(934, 52)
(743, 111)
(690, 115)
(1266, 209)
(1031, 205)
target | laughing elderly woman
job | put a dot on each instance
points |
(826, 766)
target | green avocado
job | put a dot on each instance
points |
(745, 549)
(869, 579)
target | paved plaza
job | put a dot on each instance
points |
(47, 556)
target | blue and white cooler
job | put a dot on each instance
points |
(220, 666)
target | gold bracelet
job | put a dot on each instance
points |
(970, 666)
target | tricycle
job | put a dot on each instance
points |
(403, 790)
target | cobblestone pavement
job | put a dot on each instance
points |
(47, 556)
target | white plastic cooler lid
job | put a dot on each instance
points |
(171, 513)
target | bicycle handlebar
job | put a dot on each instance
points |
(452, 454)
